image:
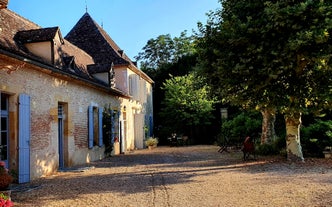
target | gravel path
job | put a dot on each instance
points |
(184, 176)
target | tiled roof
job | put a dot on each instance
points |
(99, 68)
(15, 31)
(93, 39)
(10, 24)
(90, 37)
(37, 35)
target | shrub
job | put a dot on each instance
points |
(315, 137)
(242, 125)
(278, 147)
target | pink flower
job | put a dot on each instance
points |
(9, 203)
(2, 164)
(6, 203)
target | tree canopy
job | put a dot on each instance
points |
(165, 50)
(187, 102)
(270, 54)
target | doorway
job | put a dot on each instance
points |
(4, 123)
(62, 135)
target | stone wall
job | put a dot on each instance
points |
(48, 90)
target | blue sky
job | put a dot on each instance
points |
(130, 23)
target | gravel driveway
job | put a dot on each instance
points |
(184, 176)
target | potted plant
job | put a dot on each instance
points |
(5, 178)
(328, 152)
(151, 142)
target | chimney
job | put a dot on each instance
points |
(3, 4)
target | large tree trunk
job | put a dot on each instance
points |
(293, 144)
(268, 132)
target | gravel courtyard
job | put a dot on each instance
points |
(192, 176)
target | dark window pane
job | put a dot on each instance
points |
(3, 139)
(3, 123)
(4, 102)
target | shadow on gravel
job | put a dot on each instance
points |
(144, 170)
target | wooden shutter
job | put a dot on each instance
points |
(100, 126)
(90, 117)
(24, 139)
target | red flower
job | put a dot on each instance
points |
(5, 201)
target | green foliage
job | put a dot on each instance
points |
(316, 136)
(165, 50)
(14, 174)
(108, 115)
(187, 102)
(275, 148)
(242, 125)
(270, 53)
(159, 58)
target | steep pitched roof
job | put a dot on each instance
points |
(90, 37)
(93, 39)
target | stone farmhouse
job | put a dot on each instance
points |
(55, 90)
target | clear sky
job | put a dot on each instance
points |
(130, 23)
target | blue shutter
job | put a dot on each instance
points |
(100, 125)
(151, 126)
(90, 117)
(24, 139)
(112, 127)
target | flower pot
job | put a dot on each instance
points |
(116, 147)
(327, 154)
(5, 181)
(151, 147)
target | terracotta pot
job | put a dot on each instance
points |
(151, 147)
(5, 181)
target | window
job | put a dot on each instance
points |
(134, 84)
(95, 126)
(131, 85)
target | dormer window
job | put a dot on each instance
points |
(42, 43)
(104, 73)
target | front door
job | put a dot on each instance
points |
(60, 135)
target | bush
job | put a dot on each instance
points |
(242, 125)
(275, 148)
(315, 137)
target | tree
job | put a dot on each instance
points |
(165, 50)
(273, 55)
(187, 103)
(161, 57)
